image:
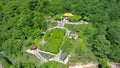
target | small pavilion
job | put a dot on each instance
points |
(66, 15)
(33, 47)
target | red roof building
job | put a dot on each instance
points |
(114, 65)
(32, 47)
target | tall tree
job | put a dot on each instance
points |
(114, 36)
(101, 47)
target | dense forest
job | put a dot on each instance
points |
(21, 24)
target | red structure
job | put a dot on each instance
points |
(32, 47)
(114, 65)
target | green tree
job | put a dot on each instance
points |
(75, 18)
(58, 16)
(53, 65)
(24, 65)
(104, 64)
(101, 47)
(114, 37)
(5, 62)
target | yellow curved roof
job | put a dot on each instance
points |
(68, 14)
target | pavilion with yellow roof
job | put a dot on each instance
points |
(67, 14)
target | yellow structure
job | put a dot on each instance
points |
(68, 15)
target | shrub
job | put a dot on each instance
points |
(57, 17)
(86, 18)
(75, 18)
(104, 63)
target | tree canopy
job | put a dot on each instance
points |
(22, 22)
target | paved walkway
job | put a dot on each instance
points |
(0, 65)
(61, 26)
(76, 23)
(69, 22)
(37, 54)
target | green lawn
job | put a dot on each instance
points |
(53, 40)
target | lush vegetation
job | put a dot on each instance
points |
(22, 21)
(58, 16)
(81, 46)
(75, 18)
(53, 40)
(53, 65)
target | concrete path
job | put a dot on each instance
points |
(69, 22)
(0, 65)
(61, 26)
(36, 53)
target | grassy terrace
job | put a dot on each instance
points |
(53, 40)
